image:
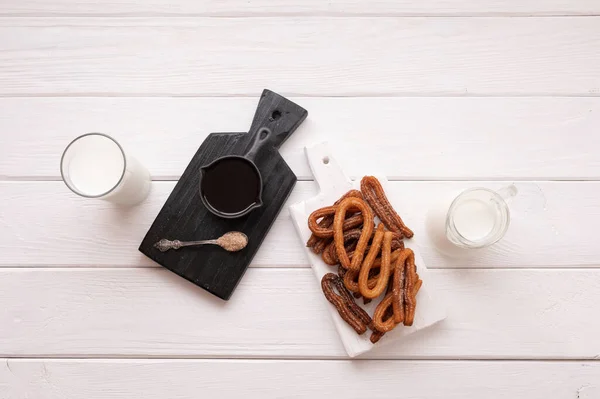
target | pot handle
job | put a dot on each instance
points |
(262, 139)
(275, 119)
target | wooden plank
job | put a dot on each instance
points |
(96, 233)
(44, 224)
(239, 8)
(469, 138)
(92, 379)
(242, 56)
(492, 314)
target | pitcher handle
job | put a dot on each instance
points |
(508, 193)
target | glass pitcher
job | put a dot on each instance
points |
(479, 217)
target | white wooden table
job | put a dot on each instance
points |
(439, 95)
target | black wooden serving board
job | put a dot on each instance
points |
(185, 218)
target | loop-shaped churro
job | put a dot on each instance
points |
(380, 322)
(375, 196)
(327, 232)
(412, 285)
(376, 335)
(331, 258)
(327, 221)
(373, 251)
(352, 314)
(327, 256)
(351, 276)
(313, 224)
(383, 240)
(350, 240)
(399, 282)
(394, 256)
(351, 281)
(312, 240)
(321, 244)
(363, 241)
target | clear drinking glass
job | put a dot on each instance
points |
(95, 165)
(479, 217)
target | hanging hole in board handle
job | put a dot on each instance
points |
(326, 160)
(275, 115)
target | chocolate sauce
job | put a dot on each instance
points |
(231, 185)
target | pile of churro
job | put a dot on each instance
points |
(370, 260)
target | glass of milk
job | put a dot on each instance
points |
(95, 165)
(479, 217)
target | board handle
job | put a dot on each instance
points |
(329, 175)
(280, 116)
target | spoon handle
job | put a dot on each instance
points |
(191, 243)
(164, 244)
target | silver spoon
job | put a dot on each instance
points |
(233, 241)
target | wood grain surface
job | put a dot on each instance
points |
(437, 95)
(281, 313)
(236, 8)
(241, 56)
(533, 138)
(183, 379)
(553, 225)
